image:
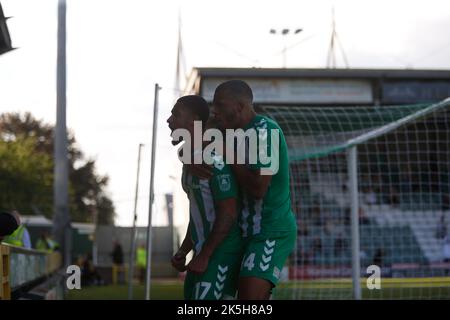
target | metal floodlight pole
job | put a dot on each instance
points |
(284, 33)
(133, 232)
(354, 205)
(150, 206)
(61, 219)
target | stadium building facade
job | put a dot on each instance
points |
(334, 87)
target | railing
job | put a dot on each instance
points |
(5, 289)
(21, 268)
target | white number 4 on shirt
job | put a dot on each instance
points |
(249, 263)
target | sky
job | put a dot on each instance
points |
(118, 50)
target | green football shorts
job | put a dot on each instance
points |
(218, 282)
(265, 255)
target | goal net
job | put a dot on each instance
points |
(402, 207)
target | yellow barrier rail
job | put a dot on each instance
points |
(5, 289)
(20, 266)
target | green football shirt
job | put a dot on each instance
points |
(273, 213)
(203, 194)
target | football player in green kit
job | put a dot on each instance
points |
(213, 232)
(267, 222)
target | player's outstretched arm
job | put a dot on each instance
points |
(225, 218)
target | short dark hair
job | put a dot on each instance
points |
(8, 224)
(197, 105)
(238, 89)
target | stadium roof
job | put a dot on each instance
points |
(41, 221)
(321, 73)
(35, 221)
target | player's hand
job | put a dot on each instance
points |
(179, 262)
(202, 171)
(198, 264)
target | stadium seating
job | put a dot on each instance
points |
(386, 229)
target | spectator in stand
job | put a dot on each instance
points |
(446, 249)
(406, 179)
(317, 246)
(441, 230)
(46, 243)
(393, 198)
(340, 245)
(370, 197)
(117, 253)
(89, 274)
(302, 229)
(445, 202)
(9, 222)
(347, 216)
(117, 259)
(20, 237)
(304, 257)
(344, 188)
(329, 226)
(363, 219)
(362, 254)
(317, 215)
(378, 258)
(141, 262)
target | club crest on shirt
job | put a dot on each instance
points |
(224, 182)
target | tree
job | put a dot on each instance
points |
(26, 177)
(24, 137)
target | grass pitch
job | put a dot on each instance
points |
(391, 289)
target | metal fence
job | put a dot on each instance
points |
(23, 269)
